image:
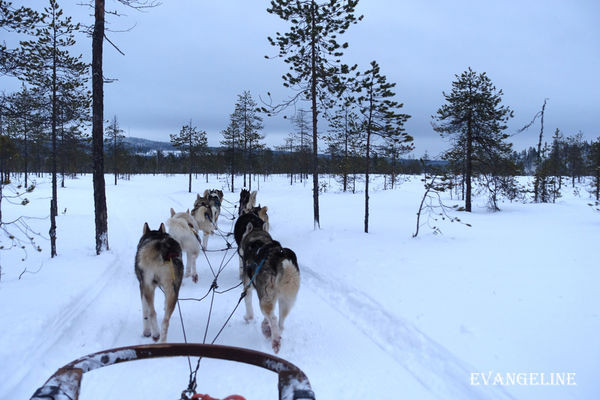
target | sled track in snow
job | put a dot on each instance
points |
(432, 365)
(60, 325)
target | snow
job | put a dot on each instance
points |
(378, 315)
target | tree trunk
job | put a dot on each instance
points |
(190, 174)
(26, 157)
(232, 164)
(469, 169)
(54, 201)
(368, 158)
(62, 153)
(313, 95)
(597, 185)
(536, 187)
(115, 155)
(100, 211)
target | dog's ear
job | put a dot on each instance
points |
(146, 228)
(252, 198)
(262, 213)
(162, 228)
(197, 196)
(205, 193)
(220, 192)
(172, 212)
(249, 228)
(265, 227)
(188, 211)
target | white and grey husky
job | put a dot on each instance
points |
(158, 263)
(273, 271)
(184, 228)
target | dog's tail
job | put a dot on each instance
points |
(290, 255)
(289, 275)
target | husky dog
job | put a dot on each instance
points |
(215, 197)
(261, 212)
(184, 228)
(260, 220)
(247, 201)
(158, 263)
(273, 271)
(202, 213)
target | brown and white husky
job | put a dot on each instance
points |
(202, 213)
(158, 263)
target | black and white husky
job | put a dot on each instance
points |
(273, 271)
(184, 228)
(158, 263)
(215, 198)
(247, 201)
(260, 220)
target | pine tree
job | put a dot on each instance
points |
(303, 139)
(311, 49)
(475, 119)
(343, 133)
(250, 124)
(192, 143)
(114, 138)
(380, 118)
(594, 166)
(392, 149)
(24, 113)
(539, 178)
(74, 113)
(575, 162)
(556, 164)
(51, 68)
(232, 143)
(21, 20)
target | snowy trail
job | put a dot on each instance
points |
(58, 328)
(432, 365)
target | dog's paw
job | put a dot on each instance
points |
(195, 278)
(248, 318)
(155, 338)
(276, 343)
(266, 328)
(188, 274)
(146, 333)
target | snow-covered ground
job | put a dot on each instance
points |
(378, 316)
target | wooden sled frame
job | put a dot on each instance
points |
(66, 382)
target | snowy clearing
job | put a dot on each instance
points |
(378, 315)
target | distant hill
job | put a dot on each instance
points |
(145, 146)
(140, 145)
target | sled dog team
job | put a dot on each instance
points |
(264, 264)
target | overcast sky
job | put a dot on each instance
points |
(188, 59)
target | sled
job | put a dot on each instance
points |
(66, 382)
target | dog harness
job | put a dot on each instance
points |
(261, 253)
(207, 397)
